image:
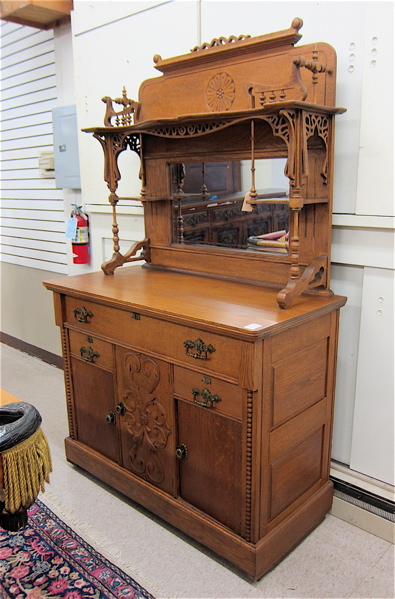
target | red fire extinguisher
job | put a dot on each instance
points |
(80, 241)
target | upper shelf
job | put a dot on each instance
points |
(41, 14)
(159, 127)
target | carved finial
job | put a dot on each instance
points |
(157, 58)
(297, 23)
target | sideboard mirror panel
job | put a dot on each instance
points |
(209, 206)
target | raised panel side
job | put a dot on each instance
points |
(299, 381)
(294, 473)
(298, 388)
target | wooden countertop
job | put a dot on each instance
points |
(248, 311)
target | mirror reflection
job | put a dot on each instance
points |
(209, 205)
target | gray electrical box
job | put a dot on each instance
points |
(65, 139)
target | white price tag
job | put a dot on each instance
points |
(253, 326)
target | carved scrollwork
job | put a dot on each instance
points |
(221, 41)
(283, 126)
(317, 124)
(133, 142)
(226, 214)
(280, 126)
(194, 220)
(228, 237)
(145, 418)
(193, 130)
(113, 144)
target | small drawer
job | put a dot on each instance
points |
(208, 392)
(89, 349)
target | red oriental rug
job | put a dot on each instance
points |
(47, 560)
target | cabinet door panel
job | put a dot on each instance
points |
(146, 422)
(93, 390)
(210, 476)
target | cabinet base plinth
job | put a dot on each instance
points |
(253, 559)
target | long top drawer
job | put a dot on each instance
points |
(188, 345)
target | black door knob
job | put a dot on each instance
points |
(181, 452)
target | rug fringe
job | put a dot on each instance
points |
(26, 469)
(100, 542)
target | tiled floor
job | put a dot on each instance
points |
(337, 560)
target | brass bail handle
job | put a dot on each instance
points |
(201, 349)
(82, 314)
(208, 399)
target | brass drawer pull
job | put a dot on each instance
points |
(82, 314)
(201, 350)
(88, 354)
(208, 399)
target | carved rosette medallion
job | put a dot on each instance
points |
(220, 92)
(144, 418)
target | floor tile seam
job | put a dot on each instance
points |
(358, 531)
(361, 582)
(377, 564)
(383, 568)
(361, 560)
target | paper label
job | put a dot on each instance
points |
(253, 326)
(71, 229)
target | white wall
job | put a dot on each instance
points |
(32, 218)
(31, 207)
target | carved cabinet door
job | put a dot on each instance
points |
(145, 417)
